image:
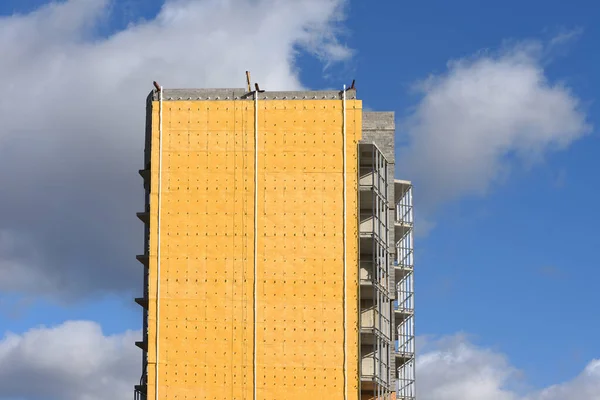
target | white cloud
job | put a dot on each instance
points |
(453, 368)
(73, 361)
(72, 115)
(586, 386)
(482, 117)
(566, 36)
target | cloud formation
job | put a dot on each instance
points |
(453, 368)
(480, 118)
(76, 361)
(73, 361)
(71, 140)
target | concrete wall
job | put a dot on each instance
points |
(379, 128)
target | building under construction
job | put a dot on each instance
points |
(278, 249)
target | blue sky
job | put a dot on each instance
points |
(510, 260)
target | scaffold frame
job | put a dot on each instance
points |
(404, 304)
(374, 180)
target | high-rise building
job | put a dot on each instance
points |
(278, 249)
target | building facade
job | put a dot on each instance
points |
(278, 249)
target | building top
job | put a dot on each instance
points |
(238, 94)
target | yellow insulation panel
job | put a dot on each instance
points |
(206, 325)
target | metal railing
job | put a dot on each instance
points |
(404, 250)
(404, 208)
(405, 345)
(405, 383)
(139, 395)
(375, 275)
(405, 294)
(370, 178)
(371, 318)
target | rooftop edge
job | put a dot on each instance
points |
(240, 94)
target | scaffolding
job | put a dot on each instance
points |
(404, 304)
(375, 297)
